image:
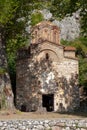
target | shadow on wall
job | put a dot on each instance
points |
(70, 93)
(42, 75)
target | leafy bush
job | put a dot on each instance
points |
(36, 17)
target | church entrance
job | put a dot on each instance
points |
(48, 101)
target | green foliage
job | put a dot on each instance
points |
(60, 8)
(84, 16)
(81, 51)
(36, 17)
(14, 15)
(83, 71)
(12, 47)
(7, 10)
(26, 7)
(80, 44)
(3, 70)
(63, 8)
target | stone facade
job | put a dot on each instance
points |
(47, 73)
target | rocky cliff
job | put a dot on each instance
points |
(69, 26)
(6, 95)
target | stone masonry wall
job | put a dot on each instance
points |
(67, 94)
(58, 76)
(47, 72)
(57, 124)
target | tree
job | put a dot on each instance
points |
(7, 10)
(63, 8)
(14, 15)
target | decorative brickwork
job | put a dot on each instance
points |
(47, 73)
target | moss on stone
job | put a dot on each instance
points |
(3, 102)
(2, 70)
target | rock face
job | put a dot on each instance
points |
(47, 73)
(69, 26)
(6, 95)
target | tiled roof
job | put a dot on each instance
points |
(48, 23)
(45, 22)
(69, 48)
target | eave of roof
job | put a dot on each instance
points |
(69, 48)
(44, 23)
(48, 42)
(73, 58)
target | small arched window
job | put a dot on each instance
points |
(47, 56)
(54, 36)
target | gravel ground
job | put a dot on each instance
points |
(9, 115)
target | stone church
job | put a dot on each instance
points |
(47, 72)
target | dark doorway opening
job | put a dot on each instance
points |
(23, 108)
(48, 101)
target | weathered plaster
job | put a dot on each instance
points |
(46, 70)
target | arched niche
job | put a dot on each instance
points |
(48, 55)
